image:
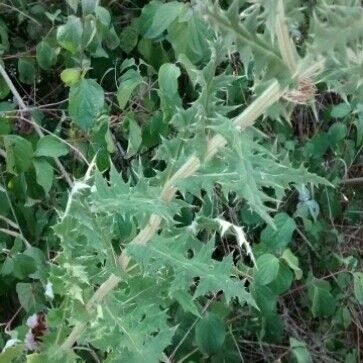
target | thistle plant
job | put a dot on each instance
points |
(126, 260)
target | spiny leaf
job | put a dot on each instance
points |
(213, 275)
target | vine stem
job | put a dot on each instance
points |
(37, 129)
(247, 118)
(16, 235)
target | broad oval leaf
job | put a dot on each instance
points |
(44, 174)
(341, 110)
(88, 6)
(134, 138)
(50, 146)
(278, 238)
(267, 269)
(86, 100)
(128, 82)
(322, 301)
(168, 88)
(19, 153)
(69, 35)
(70, 76)
(156, 17)
(26, 70)
(210, 334)
(46, 55)
(293, 263)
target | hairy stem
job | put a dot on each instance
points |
(246, 119)
(286, 45)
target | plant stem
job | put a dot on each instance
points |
(351, 181)
(16, 235)
(246, 119)
(286, 45)
(10, 222)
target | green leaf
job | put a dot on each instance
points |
(128, 38)
(50, 146)
(358, 286)
(317, 146)
(4, 38)
(267, 269)
(156, 17)
(24, 265)
(86, 100)
(69, 35)
(337, 132)
(341, 110)
(190, 38)
(19, 153)
(29, 295)
(322, 301)
(73, 4)
(34, 358)
(293, 263)
(111, 39)
(265, 298)
(168, 89)
(9, 354)
(46, 55)
(276, 239)
(210, 334)
(134, 136)
(154, 130)
(213, 275)
(283, 280)
(70, 76)
(110, 145)
(142, 336)
(44, 174)
(103, 16)
(359, 126)
(128, 82)
(168, 80)
(4, 89)
(300, 351)
(188, 305)
(139, 201)
(88, 6)
(127, 63)
(152, 52)
(26, 70)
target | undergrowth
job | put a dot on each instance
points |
(181, 181)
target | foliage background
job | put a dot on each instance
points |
(137, 87)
